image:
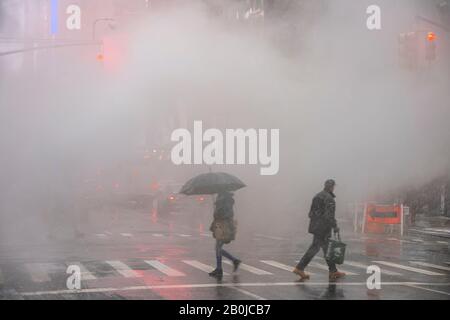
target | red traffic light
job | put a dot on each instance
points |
(431, 36)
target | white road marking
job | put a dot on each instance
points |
(248, 293)
(101, 235)
(128, 235)
(164, 269)
(401, 240)
(270, 237)
(201, 266)
(438, 230)
(417, 240)
(1, 277)
(123, 269)
(158, 235)
(248, 268)
(430, 265)
(206, 235)
(216, 285)
(85, 274)
(399, 266)
(443, 242)
(325, 267)
(406, 241)
(280, 265)
(432, 231)
(184, 235)
(428, 289)
(364, 266)
(39, 272)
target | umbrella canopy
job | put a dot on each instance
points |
(211, 183)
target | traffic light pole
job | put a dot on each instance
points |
(94, 25)
(433, 23)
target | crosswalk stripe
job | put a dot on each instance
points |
(422, 271)
(164, 269)
(426, 264)
(39, 272)
(364, 266)
(206, 235)
(85, 274)
(280, 265)
(443, 242)
(101, 235)
(184, 235)
(201, 266)
(324, 267)
(269, 237)
(123, 269)
(251, 269)
(158, 235)
(417, 240)
(128, 235)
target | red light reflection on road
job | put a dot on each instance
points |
(154, 216)
(378, 246)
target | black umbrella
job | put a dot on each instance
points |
(211, 183)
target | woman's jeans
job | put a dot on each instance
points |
(221, 252)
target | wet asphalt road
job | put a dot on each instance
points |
(140, 256)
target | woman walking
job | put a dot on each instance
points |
(224, 231)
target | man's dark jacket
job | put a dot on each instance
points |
(322, 212)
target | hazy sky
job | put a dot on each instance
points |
(344, 108)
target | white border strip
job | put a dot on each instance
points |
(216, 285)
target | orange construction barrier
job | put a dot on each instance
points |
(377, 217)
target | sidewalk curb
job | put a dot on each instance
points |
(430, 233)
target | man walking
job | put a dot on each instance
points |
(322, 221)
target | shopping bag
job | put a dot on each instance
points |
(335, 250)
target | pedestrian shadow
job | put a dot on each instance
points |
(373, 294)
(223, 292)
(331, 292)
(235, 278)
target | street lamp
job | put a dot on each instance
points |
(111, 25)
